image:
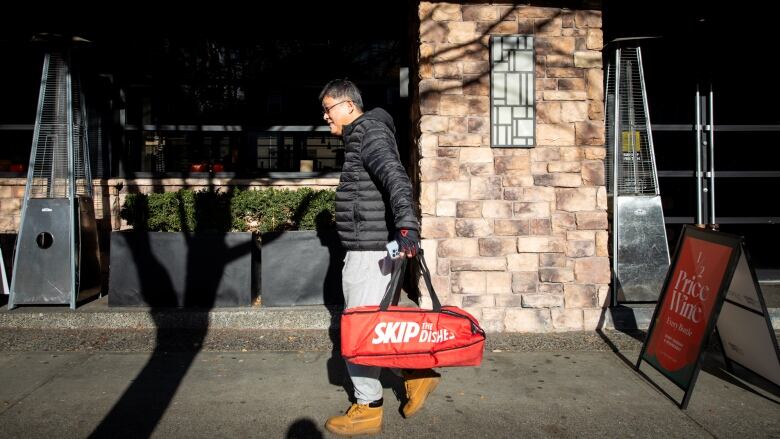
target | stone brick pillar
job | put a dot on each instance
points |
(517, 236)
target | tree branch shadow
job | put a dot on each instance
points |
(143, 404)
(712, 361)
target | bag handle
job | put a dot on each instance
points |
(393, 290)
(427, 276)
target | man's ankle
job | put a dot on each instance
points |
(377, 403)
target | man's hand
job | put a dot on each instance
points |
(408, 241)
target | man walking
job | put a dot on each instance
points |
(373, 206)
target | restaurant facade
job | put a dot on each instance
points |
(500, 111)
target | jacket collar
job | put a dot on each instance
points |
(347, 129)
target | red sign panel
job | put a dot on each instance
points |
(686, 308)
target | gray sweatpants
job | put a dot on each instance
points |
(364, 278)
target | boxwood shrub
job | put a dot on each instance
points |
(236, 210)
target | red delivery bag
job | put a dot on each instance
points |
(410, 338)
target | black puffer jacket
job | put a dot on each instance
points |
(374, 197)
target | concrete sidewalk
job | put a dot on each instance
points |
(97, 314)
(517, 392)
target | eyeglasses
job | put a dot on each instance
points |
(326, 110)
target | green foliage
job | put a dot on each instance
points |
(238, 211)
(160, 212)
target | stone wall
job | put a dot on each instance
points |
(517, 236)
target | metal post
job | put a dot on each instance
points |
(712, 160)
(705, 161)
(615, 173)
(71, 178)
(699, 216)
(2, 273)
(650, 146)
(84, 147)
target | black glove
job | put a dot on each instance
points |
(408, 241)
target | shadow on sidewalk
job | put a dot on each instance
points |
(337, 370)
(143, 404)
(712, 359)
(304, 428)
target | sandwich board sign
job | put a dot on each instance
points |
(710, 284)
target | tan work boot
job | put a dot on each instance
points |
(360, 419)
(419, 384)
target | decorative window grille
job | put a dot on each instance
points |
(512, 91)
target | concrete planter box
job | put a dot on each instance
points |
(169, 269)
(301, 268)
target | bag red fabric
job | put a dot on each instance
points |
(410, 338)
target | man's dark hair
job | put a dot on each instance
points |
(342, 88)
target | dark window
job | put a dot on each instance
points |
(201, 90)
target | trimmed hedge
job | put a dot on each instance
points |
(265, 210)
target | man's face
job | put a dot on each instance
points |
(338, 112)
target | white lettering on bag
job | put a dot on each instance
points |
(403, 332)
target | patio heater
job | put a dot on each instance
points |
(640, 253)
(57, 256)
